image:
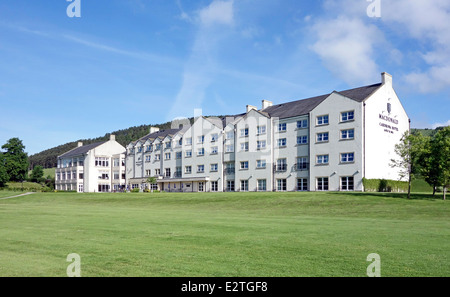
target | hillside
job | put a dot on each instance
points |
(48, 158)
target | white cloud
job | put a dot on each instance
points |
(434, 126)
(218, 12)
(346, 47)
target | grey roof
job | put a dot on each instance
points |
(302, 107)
(81, 150)
(161, 134)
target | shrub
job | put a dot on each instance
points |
(384, 185)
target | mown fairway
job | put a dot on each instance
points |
(224, 234)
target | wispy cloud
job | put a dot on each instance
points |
(435, 125)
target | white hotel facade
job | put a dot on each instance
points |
(325, 143)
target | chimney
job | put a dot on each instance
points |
(386, 79)
(250, 107)
(80, 144)
(112, 137)
(153, 130)
(266, 103)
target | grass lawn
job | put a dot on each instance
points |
(224, 234)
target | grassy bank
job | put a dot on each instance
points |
(224, 234)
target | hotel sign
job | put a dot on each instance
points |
(389, 126)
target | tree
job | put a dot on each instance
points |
(4, 177)
(151, 181)
(440, 157)
(37, 174)
(411, 149)
(15, 160)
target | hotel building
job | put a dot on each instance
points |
(325, 143)
(96, 167)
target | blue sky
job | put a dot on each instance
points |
(131, 62)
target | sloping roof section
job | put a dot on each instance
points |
(81, 150)
(302, 107)
(161, 134)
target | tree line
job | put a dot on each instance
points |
(425, 156)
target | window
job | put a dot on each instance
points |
(214, 167)
(281, 165)
(347, 116)
(347, 183)
(230, 185)
(188, 153)
(229, 148)
(302, 184)
(180, 142)
(201, 186)
(214, 186)
(168, 144)
(148, 158)
(201, 152)
(230, 135)
(167, 156)
(158, 172)
(178, 155)
(189, 141)
(147, 173)
(281, 185)
(214, 137)
(262, 185)
(188, 169)
(101, 162)
(177, 172)
(140, 149)
(168, 173)
(261, 130)
(348, 134)
(322, 159)
(244, 146)
(281, 142)
(244, 132)
(229, 168)
(201, 139)
(244, 185)
(322, 137)
(347, 157)
(80, 188)
(157, 157)
(302, 163)
(302, 124)
(260, 164)
(214, 150)
(158, 146)
(200, 168)
(302, 139)
(244, 165)
(322, 120)
(80, 175)
(322, 184)
(116, 162)
(260, 144)
(282, 127)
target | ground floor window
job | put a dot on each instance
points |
(244, 185)
(201, 186)
(230, 186)
(214, 186)
(347, 183)
(80, 188)
(302, 184)
(262, 185)
(322, 184)
(281, 185)
(103, 188)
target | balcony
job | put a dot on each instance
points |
(280, 167)
(301, 166)
(229, 170)
(177, 175)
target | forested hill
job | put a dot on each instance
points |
(48, 158)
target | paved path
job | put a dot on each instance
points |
(29, 193)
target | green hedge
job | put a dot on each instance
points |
(384, 185)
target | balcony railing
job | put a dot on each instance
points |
(301, 166)
(229, 170)
(280, 167)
